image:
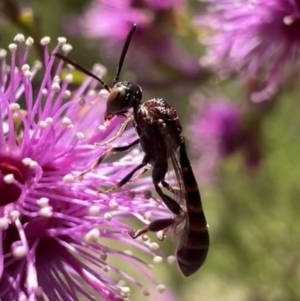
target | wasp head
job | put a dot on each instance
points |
(123, 96)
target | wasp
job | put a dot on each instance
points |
(159, 135)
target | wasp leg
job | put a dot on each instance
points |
(127, 178)
(155, 226)
(108, 152)
(172, 189)
(158, 174)
(139, 174)
(119, 133)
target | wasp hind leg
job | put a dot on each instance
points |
(158, 174)
(155, 226)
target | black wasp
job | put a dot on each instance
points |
(159, 130)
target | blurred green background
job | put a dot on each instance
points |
(253, 216)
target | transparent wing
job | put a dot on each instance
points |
(181, 225)
(170, 139)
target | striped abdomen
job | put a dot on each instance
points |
(192, 252)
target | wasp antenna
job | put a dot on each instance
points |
(83, 70)
(124, 51)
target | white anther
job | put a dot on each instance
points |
(19, 252)
(46, 211)
(171, 259)
(125, 289)
(12, 47)
(14, 107)
(28, 74)
(113, 204)
(26, 161)
(68, 178)
(9, 178)
(25, 67)
(3, 53)
(67, 48)
(15, 214)
(101, 128)
(56, 79)
(154, 246)
(104, 93)
(107, 216)
(33, 164)
(37, 64)
(94, 210)
(55, 87)
(99, 69)
(45, 41)
(67, 94)
(145, 237)
(92, 235)
(43, 202)
(69, 78)
(79, 135)
(128, 252)
(49, 120)
(66, 121)
(91, 93)
(4, 223)
(45, 92)
(161, 288)
(19, 38)
(29, 41)
(43, 124)
(288, 20)
(121, 283)
(157, 259)
(62, 40)
(160, 235)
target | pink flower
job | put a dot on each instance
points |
(54, 227)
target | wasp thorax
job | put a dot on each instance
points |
(123, 96)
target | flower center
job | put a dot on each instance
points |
(10, 192)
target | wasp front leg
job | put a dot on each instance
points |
(128, 177)
(106, 153)
(119, 133)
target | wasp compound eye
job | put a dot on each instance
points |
(123, 96)
(115, 102)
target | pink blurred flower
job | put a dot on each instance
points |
(152, 43)
(253, 38)
(217, 131)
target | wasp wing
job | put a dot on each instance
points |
(181, 225)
